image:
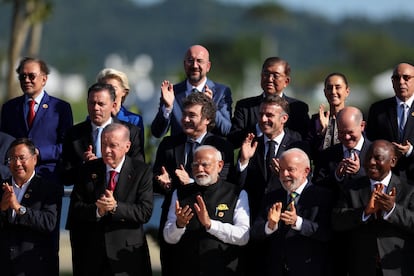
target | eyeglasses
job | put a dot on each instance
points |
(20, 158)
(205, 165)
(398, 77)
(31, 76)
(276, 76)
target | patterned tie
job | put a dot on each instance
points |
(403, 120)
(112, 181)
(98, 133)
(31, 114)
(292, 197)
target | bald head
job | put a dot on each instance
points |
(403, 81)
(350, 126)
(197, 64)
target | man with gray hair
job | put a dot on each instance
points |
(208, 221)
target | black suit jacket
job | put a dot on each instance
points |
(382, 124)
(77, 140)
(303, 252)
(325, 167)
(246, 116)
(5, 141)
(392, 239)
(253, 179)
(29, 237)
(118, 238)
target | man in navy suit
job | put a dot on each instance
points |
(172, 168)
(377, 213)
(28, 216)
(196, 66)
(295, 222)
(110, 202)
(392, 119)
(275, 77)
(51, 119)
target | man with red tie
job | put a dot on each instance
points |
(110, 202)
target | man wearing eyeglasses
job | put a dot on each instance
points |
(196, 66)
(208, 222)
(392, 119)
(275, 77)
(172, 166)
(42, 118)
(28, 216)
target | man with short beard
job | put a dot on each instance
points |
(172, 166)
(196, 66)
(295, 222)
(208, 221)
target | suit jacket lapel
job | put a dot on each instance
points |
(409, 126)
(392, 117)
(41, 111)
(260, 155)
(127, 172)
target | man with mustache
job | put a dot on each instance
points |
(196, 66)
(377, 214)
(172, 167)
(208, 221)
(295, 222)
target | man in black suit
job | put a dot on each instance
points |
(295, 222)
(172, 166)
(392, 119)
(196, 66)
(377, 213)
(110, 202)
(28, 216)
(82, 141)
(275, 77)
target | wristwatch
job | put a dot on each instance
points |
(22, 210)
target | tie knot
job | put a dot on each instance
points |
(32, 103)
(293, 195)
(194, 90)
(113, 173)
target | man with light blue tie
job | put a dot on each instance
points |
(392, 119)
(196, 66)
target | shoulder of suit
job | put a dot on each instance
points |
(247, 102)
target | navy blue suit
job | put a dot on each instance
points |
(27, 246)
(221, 97)
(53, 118)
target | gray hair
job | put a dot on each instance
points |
(208, 147)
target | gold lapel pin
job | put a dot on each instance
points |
(45, 106)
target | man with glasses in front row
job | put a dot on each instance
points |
(392, 119)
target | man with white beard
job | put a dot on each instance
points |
(208, 221)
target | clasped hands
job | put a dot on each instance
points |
(185, 214)
(9, 200)
(106, 203)
(348, 166)
(380, 201)
(275, 214)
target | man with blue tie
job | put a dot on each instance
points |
(196, 66)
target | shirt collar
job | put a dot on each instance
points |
(200, 87)
(24, 186)
(409, 102)
(199, 139)
(299, 190)
(38, 99)
(278, 139)
(358, 145)
(118, 168)
(385, 181)
(94, 127)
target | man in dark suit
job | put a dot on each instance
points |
(377, 213)
(82, 141)
(275, 77)
(28, 216)
(295, 222)
(392, 119)
(110, 202)
(196, 66)
(45, 124)
(172, 167)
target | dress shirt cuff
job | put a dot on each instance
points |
(365, 217)
(269, 231)
(339, 179)
(166, 112)
(410, 150)
(388, 214)
(241, 167)
(298, 224)
(98, 216)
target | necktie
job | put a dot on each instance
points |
(194, 90)
(112, 181)
(271, 149)
(403, 120)
(31, 114)
(292, 197)
(191, 145)
(98, 133)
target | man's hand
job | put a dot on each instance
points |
(348, 166)
(167, 94)
(201, 211)
(182, 175)
(208, 91)
(184, 215)
(403, 148)
(164, 179)
(372, 206)
(386, 202)
(106, 203)
(88, 154)
(7, 193)
(289, 217)
(247, 149)
(273, 216)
